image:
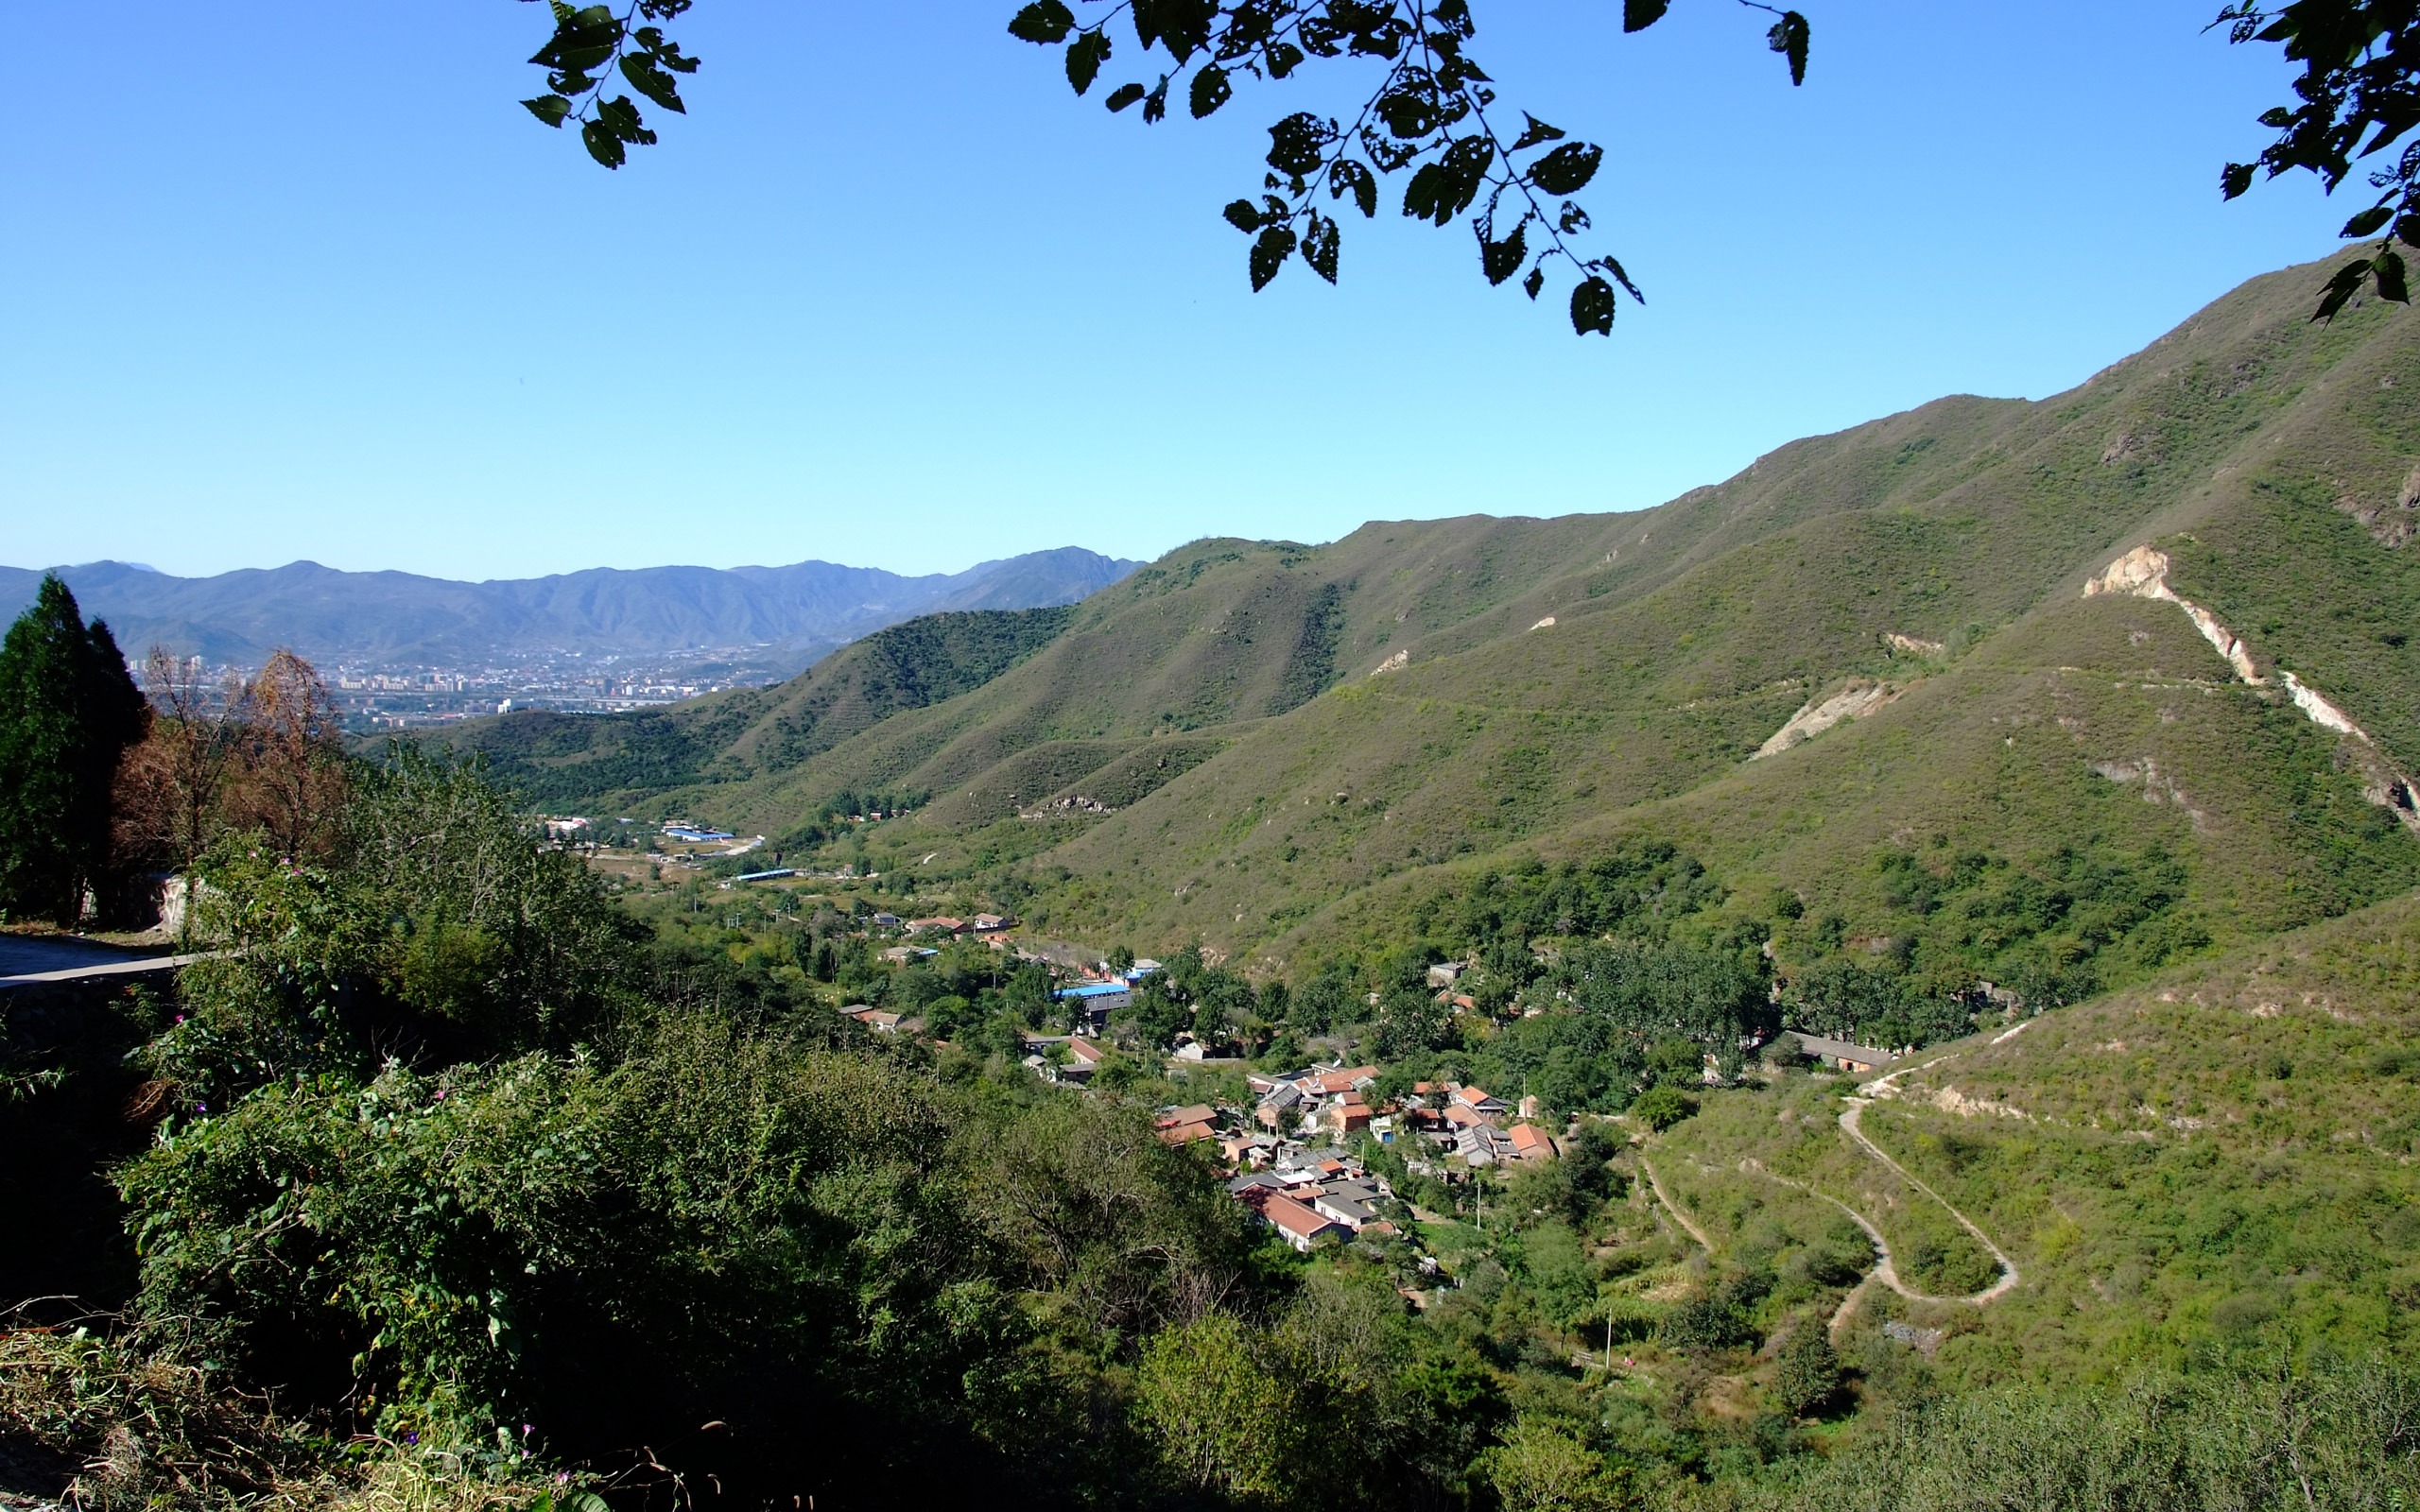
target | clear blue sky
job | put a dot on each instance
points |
(301, 279)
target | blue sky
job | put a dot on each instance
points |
(301, 279)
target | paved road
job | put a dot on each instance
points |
(29, 955)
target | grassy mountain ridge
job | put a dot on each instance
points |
(1370, 724)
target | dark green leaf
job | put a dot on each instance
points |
(1085, 56)
(582, 40)
(1790, 36)
(621, 117)
(1155, 104)
(1269, 253)
(1298, 144)
(653, 82)
(1210, 90)
(2367, 221)
(1535, 132)
(1320, 247)
(1536, 281)
(1637, 15)
(2407, 228)
(551, 109)
(1568, 168)
(1501, 260)
(2342, 287)
(1592, 307)
(1283, 58)
(2235, 178)
(1345, 175)
(1243, 215)
(2390, 271)
(1123, 95)
(1044, 21)
(602, 144)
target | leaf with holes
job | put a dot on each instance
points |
(602, 144)
(2234, 179)
(1210, 90)
(1321, 244)
(1155, 104)
(1345, 176)
(1592, 307)
(1501, 260)
(1790, 36)
(583, 39)
(1043, 21)
(653, 82)
(1269, 253)
(1298, 144)
(1283, 58)
(1568, 168)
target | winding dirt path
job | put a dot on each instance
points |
(1886, 1269)
(2008, 1277)
(1680, 1215)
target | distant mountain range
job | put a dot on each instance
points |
(398, 618)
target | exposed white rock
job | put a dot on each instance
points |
(2143, 573)
(1544, 623)
(1855, 701)
(1393, 664)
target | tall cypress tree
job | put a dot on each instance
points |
(68, 708)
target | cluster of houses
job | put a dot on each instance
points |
(1453, 1119)
(1288, 1155)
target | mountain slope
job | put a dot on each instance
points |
(1320, 749)
(2225, 1153)
(397, 617)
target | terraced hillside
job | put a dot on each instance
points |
(1284, 751)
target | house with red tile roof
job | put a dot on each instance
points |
(1302, 1226)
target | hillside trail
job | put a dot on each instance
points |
(1680, 1215)
(2008, 1277)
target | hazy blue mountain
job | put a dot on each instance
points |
(399, 617)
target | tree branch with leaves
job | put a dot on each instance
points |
(2358, 94)
(1427, 117)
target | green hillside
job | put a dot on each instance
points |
(2223, 1152)
(1285, 751)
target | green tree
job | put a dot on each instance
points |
(1662, 1105)
(1807, 1373)
(1540, 1467)
(1223, 1419)
(68, 710)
